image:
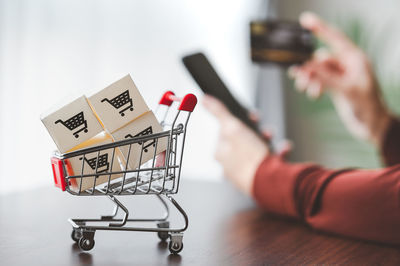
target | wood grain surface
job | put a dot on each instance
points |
(225, 228)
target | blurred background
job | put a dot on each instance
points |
(50, 49)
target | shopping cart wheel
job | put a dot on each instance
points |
(76, 235)
(175, 244)
(175, 247)
(131, 108)
(86, 131)
(76, 135)
(86, 244)
(163, 235)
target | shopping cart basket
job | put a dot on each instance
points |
(160, 179)
(120, 101)
(75, 122)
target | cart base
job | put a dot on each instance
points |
(83, 234)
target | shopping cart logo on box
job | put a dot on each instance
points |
(146, 179)
(77, 122)
(147, 131)
(101, 165)
(123, 101)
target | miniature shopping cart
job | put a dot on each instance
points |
(77, 121)
(158, 177)
(122, 101)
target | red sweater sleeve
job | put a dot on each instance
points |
(358, 203)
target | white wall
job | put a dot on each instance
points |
(49, 49)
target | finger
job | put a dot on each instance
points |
(217, 108)
(330, 35)
(267, 134)
(292, 71)
(302, 80)
(314, 89)
(303, 77)
(321, 54)
(254, 116)
(285, 148)
(327, 71)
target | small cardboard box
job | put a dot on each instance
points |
(103, 162)
(118, 104)
(72, 124)
(144, 125)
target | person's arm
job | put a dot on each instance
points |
(364, 204)
(357, 203)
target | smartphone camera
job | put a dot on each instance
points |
(280, 42)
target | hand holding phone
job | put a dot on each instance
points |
(210, 83)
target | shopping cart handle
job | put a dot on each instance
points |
(188, 103)
(58, 173)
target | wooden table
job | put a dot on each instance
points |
(226, 228)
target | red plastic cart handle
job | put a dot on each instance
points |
(188, 103)
(58, 173)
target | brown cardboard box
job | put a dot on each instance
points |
(118, 104)
(145, 124)
(72, 124)
(104, 163)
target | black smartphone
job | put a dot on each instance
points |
(210, 83)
